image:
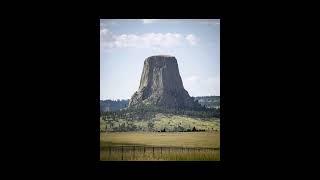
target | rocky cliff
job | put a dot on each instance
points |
(161, 85)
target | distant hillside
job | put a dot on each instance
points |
(172, 123)
(209, 101)
(110, 105)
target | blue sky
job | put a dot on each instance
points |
(125, 44)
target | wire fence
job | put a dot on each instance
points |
(122, 152)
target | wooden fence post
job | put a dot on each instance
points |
(134, 151)
(122, 152)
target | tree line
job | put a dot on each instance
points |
(149, 112)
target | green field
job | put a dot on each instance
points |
(148, 146)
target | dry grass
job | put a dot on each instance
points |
(143, 141)
(175, 139)
(166, 154)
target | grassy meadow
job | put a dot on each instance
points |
(167, 146)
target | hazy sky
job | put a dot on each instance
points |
(125, 44)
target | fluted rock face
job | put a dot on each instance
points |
(161, 85)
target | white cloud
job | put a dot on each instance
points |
(192, 39)
(147, 40)
(106, 38)
(148, 21)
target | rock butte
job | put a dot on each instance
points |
(161, 85)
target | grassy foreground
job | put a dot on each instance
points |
(149, 146)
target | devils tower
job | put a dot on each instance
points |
(161, 85)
